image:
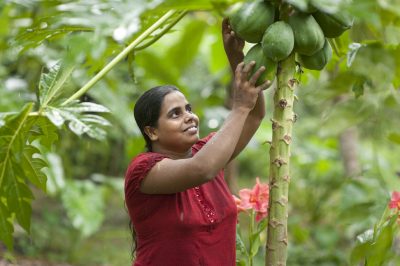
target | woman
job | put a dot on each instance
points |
(180, 206)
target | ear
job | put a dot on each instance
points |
(151, 132)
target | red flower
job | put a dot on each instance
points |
(256, 199)
(395, 201)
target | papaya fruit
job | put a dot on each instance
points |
(251, 20)
(278, 41)
(318, 60)
(333, 25)
(256, 54)
(302, 6)
(308, 36)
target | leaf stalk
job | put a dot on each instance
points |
(120, 56)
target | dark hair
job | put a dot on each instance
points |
(147, 109)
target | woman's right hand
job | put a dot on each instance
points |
(245, 92)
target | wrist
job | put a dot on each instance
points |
(241, 110)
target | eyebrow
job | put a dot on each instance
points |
(173, 110)
(178, 108)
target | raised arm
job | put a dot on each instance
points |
(170, 176)
(233, 46)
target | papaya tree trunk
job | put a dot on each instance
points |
(279, 176)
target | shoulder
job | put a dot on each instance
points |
(199, 144)
(139, 168)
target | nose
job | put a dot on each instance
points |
(189, 117)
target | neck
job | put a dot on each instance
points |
(173, 154)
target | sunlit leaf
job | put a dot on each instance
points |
(51, 83)
(351, 54)
(79, 118)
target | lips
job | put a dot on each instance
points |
(191, 128)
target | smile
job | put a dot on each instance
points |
(191, 129)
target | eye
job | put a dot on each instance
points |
(189, 108)
(175, 113)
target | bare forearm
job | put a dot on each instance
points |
(218, 151)
(259, 109)
(234, 61)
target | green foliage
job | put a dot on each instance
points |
(327, 210)
(375, 246)
(16, 153)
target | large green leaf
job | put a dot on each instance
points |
(18, 194)
(12, 139)
(6, 228)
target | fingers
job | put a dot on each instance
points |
(256, 75)
(238, 71)
(265, 85)
(247, 69)
(226, 27)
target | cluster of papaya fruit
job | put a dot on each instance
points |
(304, 32)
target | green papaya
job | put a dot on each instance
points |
(302, 6)
(251, 20)
(333, 25)
(308, 36)
(318, 60)
(278, 41)
(256, 54)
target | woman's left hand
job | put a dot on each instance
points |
(233, 44)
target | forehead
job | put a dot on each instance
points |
(172, 100)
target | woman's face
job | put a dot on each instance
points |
(177, 127)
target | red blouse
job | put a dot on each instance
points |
(193, 227)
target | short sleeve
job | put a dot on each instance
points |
(138, 169)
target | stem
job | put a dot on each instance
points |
(120, 56)
(251, 231)
(282, 122)
(158, 36)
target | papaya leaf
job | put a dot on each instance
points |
(12, 138)
(32, 167)
(18, 194)
(35, 36)
(51, 83)
(6, 227)
(45, 131)
(79, 121)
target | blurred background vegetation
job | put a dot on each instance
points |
(346, 144)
